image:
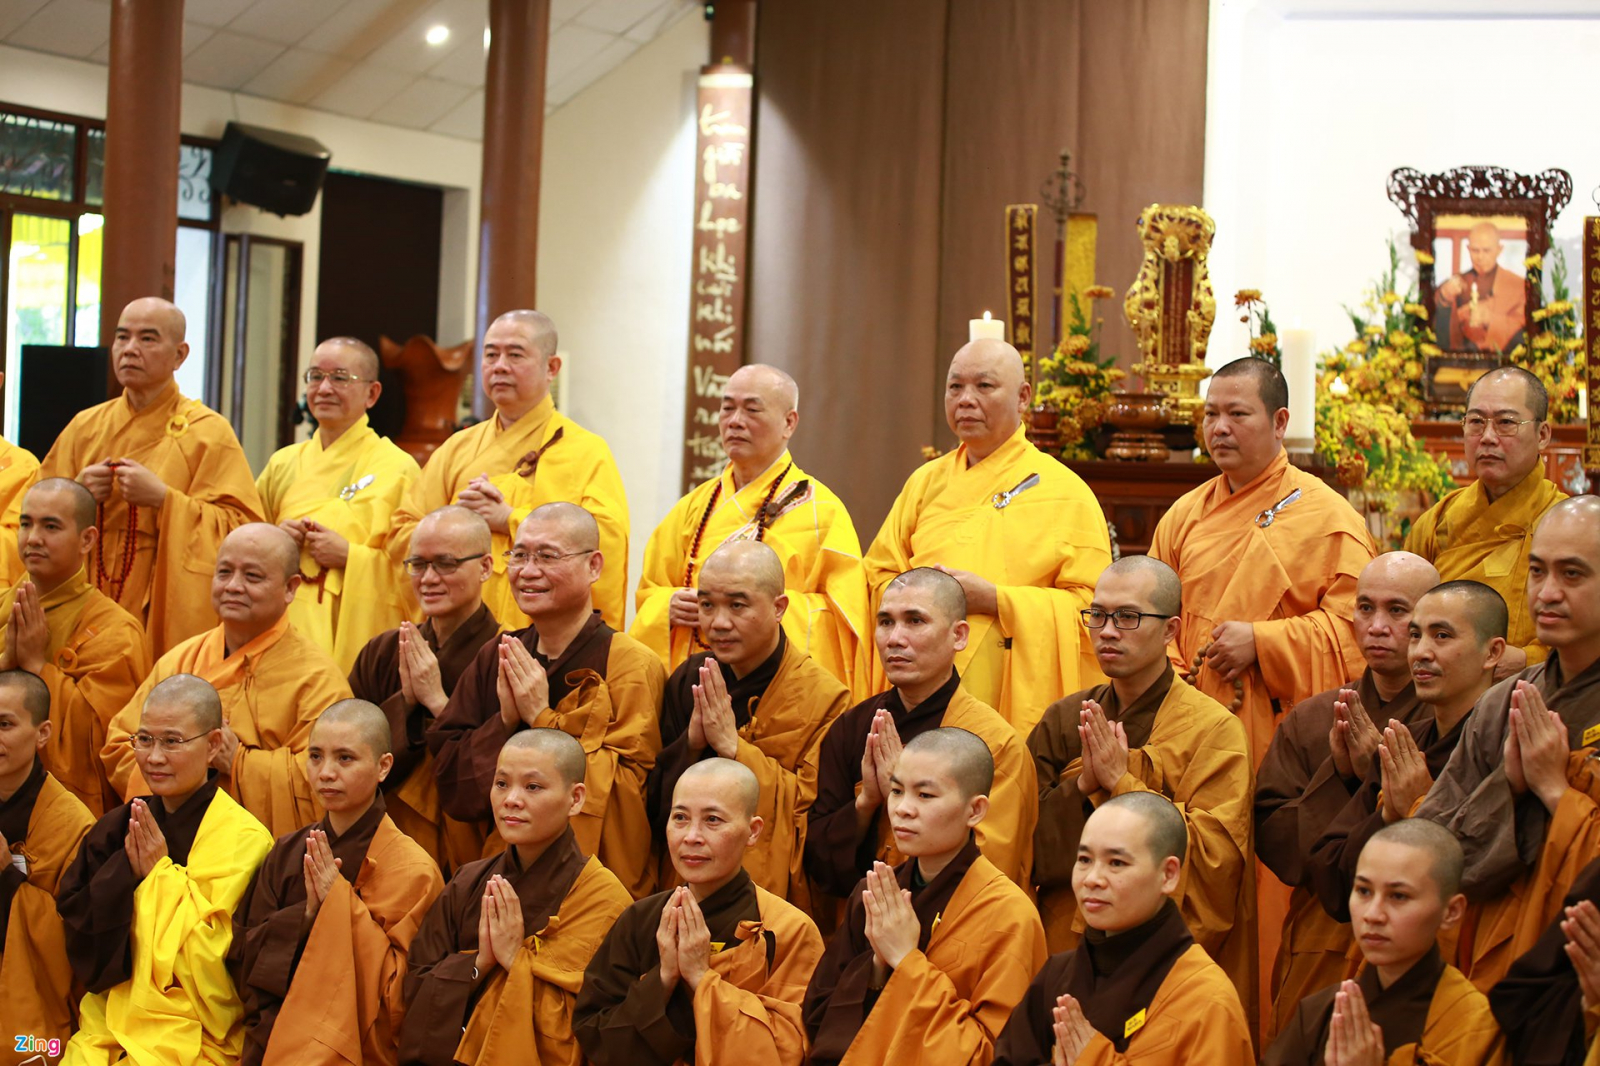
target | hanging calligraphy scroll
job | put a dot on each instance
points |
(1022, 240)
(1591, 334)
(719, 274)
(1078, 265)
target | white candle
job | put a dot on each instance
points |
(1583, 403)
(1299, 348)
(985, 328)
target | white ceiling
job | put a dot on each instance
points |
(367, 59)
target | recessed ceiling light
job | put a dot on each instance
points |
(438, 34)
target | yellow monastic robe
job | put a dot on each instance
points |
(95, 662)
(1195, 1017)
(209, 494)
(180, 1005)
(530, 466)
(812, 533)
(352, 488)
(273, 690)
(1467, 537)
(18, 471)
(1044, 551)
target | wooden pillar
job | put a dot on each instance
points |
(143, 102)
(513, 144)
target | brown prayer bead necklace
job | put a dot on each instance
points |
(763, 517)
(114, 586)
(1238, 683)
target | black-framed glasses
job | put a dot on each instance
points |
(314, 377)
(1504, 426)
(444, 566)
(144, 741)
(516, 558)
(1095, 618)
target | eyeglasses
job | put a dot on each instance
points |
(1504, 426)
(444, 566)
(338, 377)
(1094, 618)
(516, 559)
(144, 741)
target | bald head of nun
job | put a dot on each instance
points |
(732, 782)
(1130, 861)
(562, 749)
(986, 394)
(347, 759)
(28, 692)
(537, 789)
(712, 823)
(193, 695)
(24, 726)
(964, 755)
(179, 737)
(366, 720)
(938, 793)
(1407, 888)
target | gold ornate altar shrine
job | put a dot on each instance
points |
(1171, 305)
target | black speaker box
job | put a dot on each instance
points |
(275, 171)
(57, 382)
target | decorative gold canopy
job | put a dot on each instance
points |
(1171, 306)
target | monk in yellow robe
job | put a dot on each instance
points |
(272, 680)
(756, 698)
(322, 935)
(410, 672)
(54, 623)
(41, 826)
(1548, 1005)
(1483, 532)
(18, 470)
(495, 970)
(1147, 731)
(933, 954)
(1022, 533)
(1137, 988)
(1301, 786)
(334, 494)
(711, 972)
(570, 671)
(148, 903)
(169, 477)
(922, 628)
(761, 495)
(1407, 1005)
(527, 455)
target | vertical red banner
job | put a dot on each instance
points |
(1590, 321)
(1022, 287)
(719, 276)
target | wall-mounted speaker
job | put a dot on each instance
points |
(275, 171)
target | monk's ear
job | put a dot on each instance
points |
(385, 764)
(1171, 875)
(213, 745)
(756, 825)
(977, 810)
(552, 366)
(1454, 908)
(183, 353)
(790, 421)
(374, 390)
(1494, 653)
(780, 604)
(43, 733)
(1169, 632)
(1025, 398)
(1280, 422)
(1544, 435)
(292, 586)
(959, 633)
(485, 567)
(597, 563)
(580, 794)
(87, 539)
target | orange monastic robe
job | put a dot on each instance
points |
(209, 494)
(18, 471)
(544, 457)
(95, 662)
(1044, 551)
(273, 690)
(813, 536)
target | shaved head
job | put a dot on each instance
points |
(174, 326)
(269, 543)
(965, 755)
(1579, 513)
(367, 366)
(575, 523)
(191, 693)
(81, 499)
(368, 719)
(1409, 575)
(538, 327)
(562, 748)
(778, 388)
(1441, 847)
(744, 564)
(1535, 395)
(944, 591)
(997, 357)
(1166, 597)
(733, 781)
(31, 691)
(1486, 231)
(464, 531)
(1270, 383)
(1169, 836)
(1484, 606)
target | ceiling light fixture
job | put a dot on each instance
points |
(437, 34)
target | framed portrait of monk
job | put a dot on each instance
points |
(1474, 229)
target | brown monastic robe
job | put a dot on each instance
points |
(835, 859)
(43, 823)
(1152, 994)
(763, 953)
(340, 980)
(1431, 1014)
(411, 794)
(454, 1013)
(605, 690)
(947, 1001)
(1188, 747)
(1539, 1003)
(1315, 951)
(783, 709)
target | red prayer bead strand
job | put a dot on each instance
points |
(130, 548)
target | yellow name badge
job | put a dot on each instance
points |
(1591, 735)
(718, 945)
(1133, 1025)
(934, 928)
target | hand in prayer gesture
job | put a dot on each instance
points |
(28, 636)
(321, 868)
(1105, 750)
(1072, 1029)
(223, 761)
(1536, 748)
(1404, 772)
(1353, 1039)
(296, 528)
(145, 844)
(694, 940)
(982, 597)
(684, 609)
(1233, 649)
(503, 919)
(420, 680)
(1353, 738)
(1582, 927)
(521, 684)
(892, 925)
(329, 549)
(140, 486)
(97, 478)
(878, 760)
(483, 499)
(1513, 661)
(667, 941)
(712, 723)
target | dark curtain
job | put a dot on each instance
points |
(890, 136)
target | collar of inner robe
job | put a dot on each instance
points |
(1116, 977)
(351, 845)
(929, 898)
(1402, 1008)
(17, 809)
(935, 705)
(753, 685)
(181, 825)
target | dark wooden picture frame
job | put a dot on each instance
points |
(1488, 193)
